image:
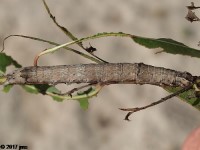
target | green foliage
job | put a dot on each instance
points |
(167, 45)
(7, 88)
(31, 89)
(84, 103)
(6, 61)
(81, 97)
(44, 89)
(54, 90)
(36, 89)
(188, 96)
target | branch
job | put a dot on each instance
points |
(135, 109)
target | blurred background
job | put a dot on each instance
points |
(41, 123)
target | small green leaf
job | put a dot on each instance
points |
(188, 96)
(167, 45)
(55, 90)
(84, 103)
(7, 88)
(57, 98)
(6, 61)
(42, 89)
(31, 89)
(3, 79)
(35, 89)
(52, 89)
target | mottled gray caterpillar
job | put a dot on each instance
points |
(112, 73)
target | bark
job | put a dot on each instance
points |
(112, 73)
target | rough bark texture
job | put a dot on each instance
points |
(137, 73)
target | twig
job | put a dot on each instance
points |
(67, 32)
(132, 110)
(192, 7)
(75, 89)
(92, 93)
(52, 43)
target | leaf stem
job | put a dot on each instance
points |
(99, 35)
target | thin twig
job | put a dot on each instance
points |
(132, 110)
(94, 92)
(192, 7)
(52, 43)
(67, 32)
(75, 89)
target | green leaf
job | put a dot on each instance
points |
(35, 89)
(55, 97)
(2, 79)
(167, 45)
(43, 89)
(7, 88)
(30, 89)
(188, 96)
(6, 61)
(52, 89)
(84, 103)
